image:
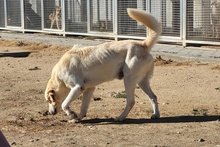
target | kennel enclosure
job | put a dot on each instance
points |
(183, 21)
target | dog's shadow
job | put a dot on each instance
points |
(174, 119)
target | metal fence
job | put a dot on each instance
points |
(183, 21)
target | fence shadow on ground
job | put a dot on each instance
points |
(174, 119)
(15, 54)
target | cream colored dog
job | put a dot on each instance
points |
(82, 68)
(55, 17)
(215, 19)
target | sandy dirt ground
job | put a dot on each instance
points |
(188, 93)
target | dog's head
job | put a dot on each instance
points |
(51, 99)
(58, 11)
(215, 4)
(55, 94)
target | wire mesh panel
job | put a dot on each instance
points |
(203, 17)
(76, 15)
(168, 13)
(2, 14)
(109, 17)
(32, 14)
(101, 16)
(126, 25)
(13, 13)
(52, 14)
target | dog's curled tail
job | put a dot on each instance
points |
(149, 21)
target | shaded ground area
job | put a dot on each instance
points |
(188, 94)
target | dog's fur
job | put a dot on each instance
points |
(82, 68)
(55, 17)
(215, 18)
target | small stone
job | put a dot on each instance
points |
(34, 68)
(200, 140)
(31, 119)
(33, 140)
(97, 99)
(90, 127)
(21, 118)
(165, 103)
(45, 113)
(63, 120)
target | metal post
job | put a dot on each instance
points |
(42, 15)
(22, 15)
(88, 16)
(183, 22)
(148, 5)
(6, 15)
(63, 17)
(115, 19)
(148, 8)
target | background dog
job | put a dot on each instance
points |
(215, 18)
(82, 68)
(55, 17)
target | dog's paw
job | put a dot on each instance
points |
(73, 115)
(119, 119)
(155, 116)
(74, 121)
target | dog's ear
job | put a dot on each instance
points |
(214, 3)
(57, 7)
(51, 97)
(217, 4)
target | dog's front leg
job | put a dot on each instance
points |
(73, 94)
(51, 25)
(87, 95)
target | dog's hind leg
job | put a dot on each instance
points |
(145, 86)
(57, 23)
(73, 94)
(129, 89)
(87, 95)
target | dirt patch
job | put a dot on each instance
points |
(32, 45)
(188, 96)
(217, 67)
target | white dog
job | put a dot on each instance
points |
(82, 68)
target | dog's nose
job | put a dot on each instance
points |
(53, 112)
